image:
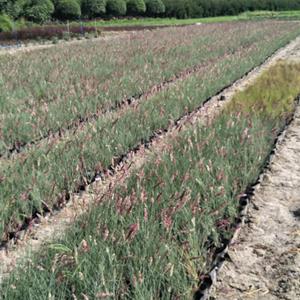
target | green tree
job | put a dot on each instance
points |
(14, 8)
(116, 7)
(181, 9)
(6, 23)
(136, 7)
(155, 7)
(67, 9)
(39, 11)
(93, 8)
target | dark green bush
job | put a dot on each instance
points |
(155, 7)
(6, 23)
(67, 9)
(181, 9)
(14, 8)
(136, 7)
(116, 7)
(39, 11)
(93, 8)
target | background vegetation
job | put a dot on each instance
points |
(40, 11)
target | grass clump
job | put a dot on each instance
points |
(276, 89)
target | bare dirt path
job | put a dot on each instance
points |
(55, 224)
(263, 263)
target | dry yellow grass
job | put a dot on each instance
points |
(276, 90)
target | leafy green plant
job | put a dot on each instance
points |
(39, 11)
(14, 8)
(22, 23)
(6, 24)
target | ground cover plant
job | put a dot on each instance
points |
(45, 174)
(49, 90)
(149, 238)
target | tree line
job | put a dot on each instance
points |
(40, 11)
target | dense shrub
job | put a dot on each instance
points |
(155, 7)
(179, 8)
(14, 8)
(116, 7)
(6, 23)
(230, 7)
(67, 9)
(136, 7)
(39, 11)
(93, 8)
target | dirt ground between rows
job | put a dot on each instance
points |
(263, 263)
(54, 225)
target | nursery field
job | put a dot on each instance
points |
(51, 90)
(69, 115)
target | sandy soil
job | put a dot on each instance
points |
(56, 223)
(263, 263)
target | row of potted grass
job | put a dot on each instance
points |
(150, 237)
(50, 90)
(48, 173)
